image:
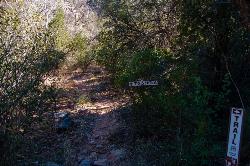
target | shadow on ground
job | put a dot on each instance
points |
(94, 107)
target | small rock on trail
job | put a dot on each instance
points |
(102, 162)
(63, 121)
(85, 163)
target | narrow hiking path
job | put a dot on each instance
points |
(94, 108)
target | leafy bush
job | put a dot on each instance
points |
(178, 111)
(58, 31)
(129, 27)
(26, 57)
(144, 65)
(199, 133)
(75, 46)
(149, 102)
(207, 60)
(79, 51)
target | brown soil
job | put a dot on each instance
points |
(93, 105)
(94, 108)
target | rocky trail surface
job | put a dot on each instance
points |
(93, 109)
(95, 100)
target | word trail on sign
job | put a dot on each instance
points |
(233, 148)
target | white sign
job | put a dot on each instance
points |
(233, 148)
(143, 83)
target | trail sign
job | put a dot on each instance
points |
(233, 148)
(143, 83)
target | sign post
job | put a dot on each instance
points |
(233, 149)
(143, 83)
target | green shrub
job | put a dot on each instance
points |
(148, 64)
(200, 134)
(79, 52)
(26, 57)
(58, 31)
(108, 53)
(178, 111)
(75, 46)
(149, 103)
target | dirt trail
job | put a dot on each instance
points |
(93, 106)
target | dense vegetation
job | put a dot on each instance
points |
(198, 51)
(30, 52)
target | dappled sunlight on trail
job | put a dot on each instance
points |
(89, 96)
